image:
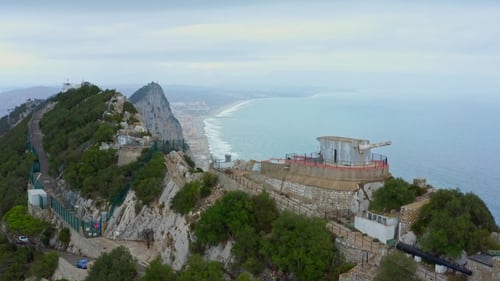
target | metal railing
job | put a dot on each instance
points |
(315, 159)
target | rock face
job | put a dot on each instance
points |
(155, 112)
(172, 232)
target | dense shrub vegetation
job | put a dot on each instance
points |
(70, 126)
(189, 196)
(45, 265)
(148, 183)
(396, 266)
(454, 221)
(186, 198)
(157, 271)
(21, 262)
(292, 243)
(200, 269)
(117, 265)
(18, 220)
(96, 173)
(72, 130)
(14, 260)
(15, 164)
(300, 245)
(65, 236)
(395, 193)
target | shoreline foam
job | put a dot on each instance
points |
(217, 147)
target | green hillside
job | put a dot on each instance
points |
(15, 164)
(80, 121)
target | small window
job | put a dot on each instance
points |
(384, 221)
(369, 216)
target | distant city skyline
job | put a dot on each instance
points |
(381, 45)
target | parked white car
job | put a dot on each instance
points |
(23, 239)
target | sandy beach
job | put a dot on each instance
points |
(192, 118)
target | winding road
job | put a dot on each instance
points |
(138, 249)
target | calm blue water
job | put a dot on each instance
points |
(454, 144)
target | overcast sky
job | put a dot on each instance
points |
(388, 45)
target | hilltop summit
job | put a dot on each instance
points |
(155, 112)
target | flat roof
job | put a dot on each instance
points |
(336, 138)
(36, 191)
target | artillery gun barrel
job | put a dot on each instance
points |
(367, 146)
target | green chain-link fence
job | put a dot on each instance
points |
(93, 228)
(65, 214)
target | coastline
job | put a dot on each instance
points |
(217, 147)
(195, 131)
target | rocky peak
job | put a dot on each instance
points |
(155, 112)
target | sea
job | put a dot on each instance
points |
(453, 143)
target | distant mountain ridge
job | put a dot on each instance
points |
(11, 99)
(17, 114)
(156, 113)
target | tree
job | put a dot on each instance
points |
(14, 261)
(246, 250)
(14, 164)
(452, 222)
(396, 266)
(200, 269)
(208, 181)
(245, 276)
(117, 265)
(225, 218)
(395, 193)
(65, 236)
(104, 133)
(45, 266)
(148, 183)
(157, 271)
(300, 245)
(186, 198)
(265, 211)
(19, 220)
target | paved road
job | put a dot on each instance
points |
(36, 141)
(137, 249)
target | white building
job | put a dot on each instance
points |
(37, 197)
(382, 227)
(347, 151)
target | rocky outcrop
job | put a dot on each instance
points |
(171, 231)
(155, 112)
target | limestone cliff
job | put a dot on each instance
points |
(155, 112)
(171, 231)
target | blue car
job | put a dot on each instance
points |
(82, 263)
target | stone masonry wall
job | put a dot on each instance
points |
(325, 172)
(481, 272)
(319, 199)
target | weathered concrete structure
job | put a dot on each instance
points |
(128, 154)
(382, 227)
(340, 179)
(37, 197)
(484, 267)
(346, 151)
